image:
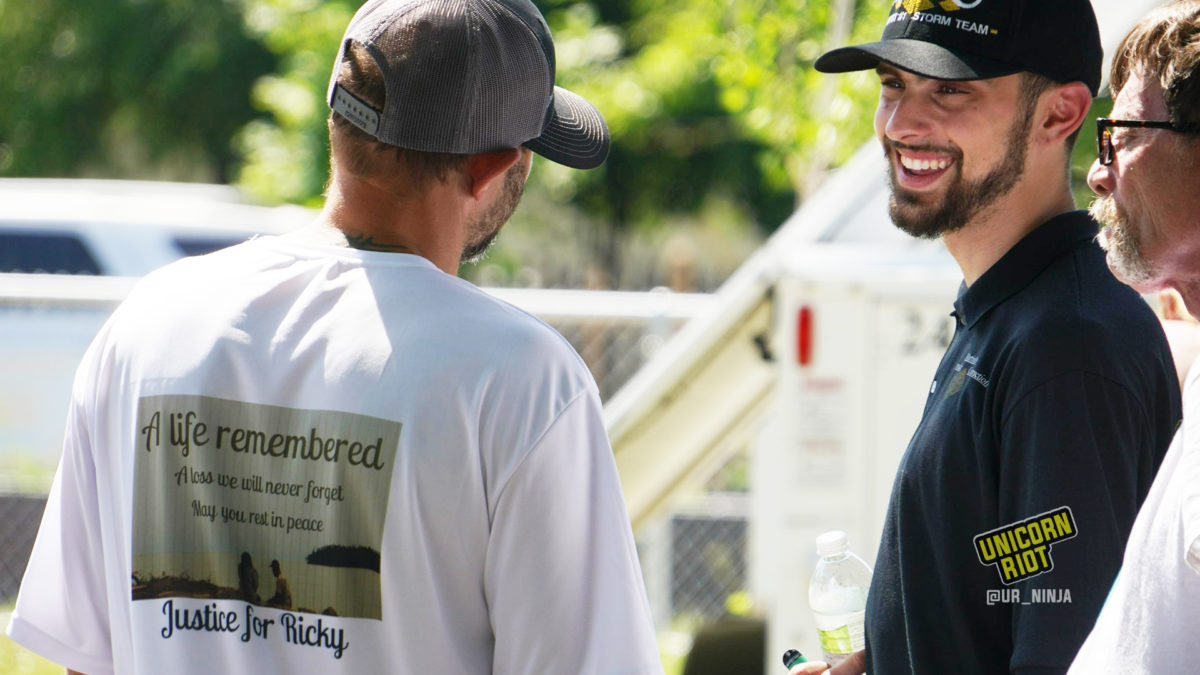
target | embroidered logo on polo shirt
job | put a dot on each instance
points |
(1021, 550)
(956, 382)
(963, 371)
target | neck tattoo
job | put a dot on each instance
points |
(368, 243)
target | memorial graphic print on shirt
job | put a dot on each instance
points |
(275, 506)
(1021, 550)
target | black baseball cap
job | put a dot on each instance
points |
(981, 39)
(468, 76)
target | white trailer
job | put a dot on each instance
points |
(816, 355)
(857, 339)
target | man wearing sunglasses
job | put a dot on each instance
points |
(1149, 188)
(1057, 398)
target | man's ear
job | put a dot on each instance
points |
(1069, 104)
(486, 167)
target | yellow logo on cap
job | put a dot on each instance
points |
(914, 6)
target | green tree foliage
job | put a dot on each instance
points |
(286, 155)
(125, 88)
(807, 121)
(716, 113)
(715, 110)
(708, 97)
(706, 100)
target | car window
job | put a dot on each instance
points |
(45, 252)
(201, 245)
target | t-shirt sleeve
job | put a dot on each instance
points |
(1083, 442)
(562, 579)
(62, 609)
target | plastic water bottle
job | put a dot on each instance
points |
(838, 597)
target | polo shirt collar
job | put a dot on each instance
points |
(1022, 264)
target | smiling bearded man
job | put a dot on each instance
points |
(963, 199)
(1057, 397)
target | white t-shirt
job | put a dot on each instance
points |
(1150, 623)
(286, 457)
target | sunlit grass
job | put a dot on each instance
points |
(673, 646)
(16, 660)
(25, 474)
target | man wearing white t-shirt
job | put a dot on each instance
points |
(1149, 188)
(426, 465)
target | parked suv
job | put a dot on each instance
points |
(52, 232)
(123, 228)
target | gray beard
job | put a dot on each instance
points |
(1124, 250)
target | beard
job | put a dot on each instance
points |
(482, 232)
(963, 199)
(1125, 257)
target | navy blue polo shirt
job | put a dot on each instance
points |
(1042, 432)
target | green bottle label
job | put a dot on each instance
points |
(836, 641)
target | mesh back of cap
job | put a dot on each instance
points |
(461, 76)
(515, 88)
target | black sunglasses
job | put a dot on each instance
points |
(1104, 127)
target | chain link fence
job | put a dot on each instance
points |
(19, 517)
(708, 563)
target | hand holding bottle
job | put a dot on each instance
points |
(855, 664)
(837, 595)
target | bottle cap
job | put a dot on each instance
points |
(832, 543)
(793, 657)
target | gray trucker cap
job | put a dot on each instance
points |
(468, 76)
